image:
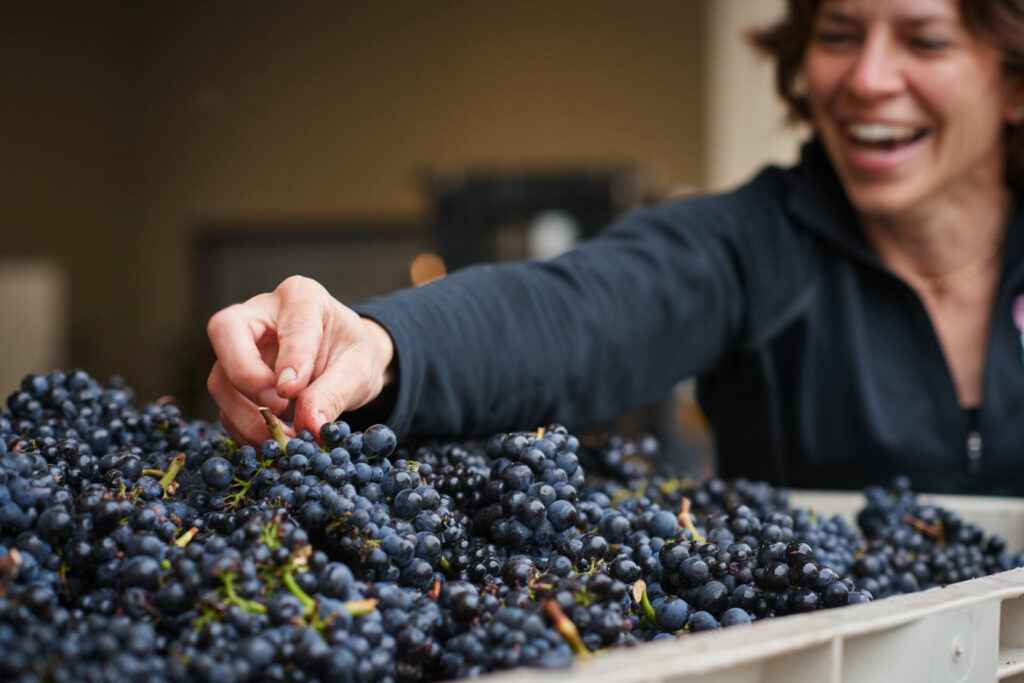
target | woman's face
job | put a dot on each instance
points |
(910, 106)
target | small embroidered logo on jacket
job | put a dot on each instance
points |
(1018, 320)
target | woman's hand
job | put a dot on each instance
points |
(296, 347)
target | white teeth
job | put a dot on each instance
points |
(880, 132)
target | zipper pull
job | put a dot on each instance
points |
(974, 448)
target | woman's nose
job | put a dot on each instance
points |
(877, 70)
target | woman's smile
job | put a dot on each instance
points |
(877, 147)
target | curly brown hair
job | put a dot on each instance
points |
(1000, 22)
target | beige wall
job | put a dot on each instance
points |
(181, 114)
(746, 122)
(67, 191)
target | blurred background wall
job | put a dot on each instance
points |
(68, 181)
(127, 128)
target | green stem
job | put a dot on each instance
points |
(207, 616)
(172, 471)
(235, 498)
(226, 446)
(648, 609)
(686, 520)
(360, 608)
(276, 428)
(566, 629)
(186, 537)
(308, 603)
(268, 536)
(234, 598)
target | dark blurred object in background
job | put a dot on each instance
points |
(492, 215)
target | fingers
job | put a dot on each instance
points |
(230, 428)
(301, 321)
(234, 333)
(296, 343)
(349, 381)
(239, 415)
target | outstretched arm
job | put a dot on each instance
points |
(578, 339)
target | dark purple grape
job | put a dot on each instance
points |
(218, 473)
(702, 621)
(379, 441)
(562, 515)
(673, 614)
(735, 616)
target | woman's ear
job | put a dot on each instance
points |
(799, 87)
(1015, 102)
(1015, 115)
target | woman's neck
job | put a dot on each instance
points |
(943, 244)
(950, 257)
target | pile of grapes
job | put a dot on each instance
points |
(138, 545)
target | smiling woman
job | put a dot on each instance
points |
(848, 319)
(922, 162)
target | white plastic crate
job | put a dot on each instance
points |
(968, 632)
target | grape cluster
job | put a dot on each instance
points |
(912, 546)
(135, 544)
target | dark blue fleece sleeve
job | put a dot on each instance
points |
(578, 339)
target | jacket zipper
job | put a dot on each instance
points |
(974, 451)
(975, 444)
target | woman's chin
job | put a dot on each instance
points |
(882, 200)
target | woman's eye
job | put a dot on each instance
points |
(929, 44)
(835, 37)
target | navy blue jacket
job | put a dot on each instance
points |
(817, 367)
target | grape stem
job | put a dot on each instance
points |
(645, 602)
(276, 428)
(566, 628)
(360, 608)
(673, 485)
(268, 535)
(167, 481)
(186, 537)
(686, 520)
(208, 616)
(648, 609)
(241, 490)
(308, 603)
(251, 606)
(932, 531)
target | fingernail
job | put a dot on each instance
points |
(321, 417)
(287, 375)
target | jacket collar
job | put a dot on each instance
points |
(818, 201)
